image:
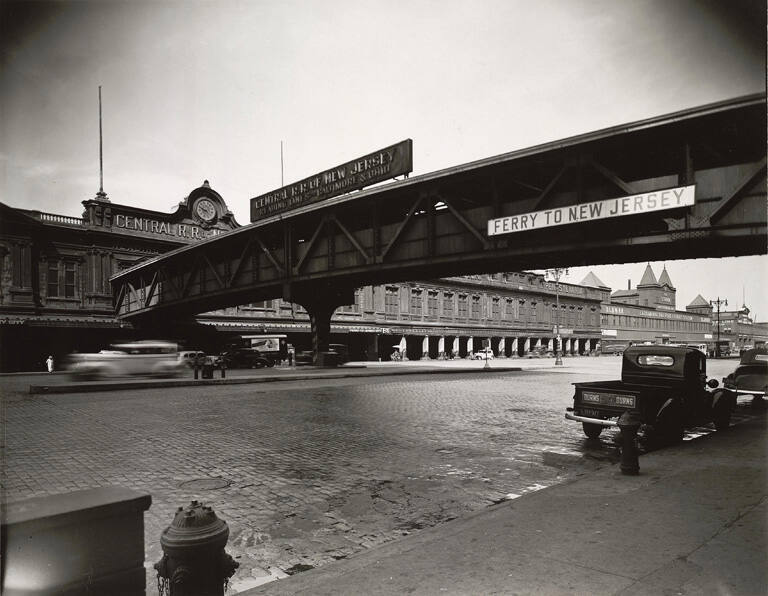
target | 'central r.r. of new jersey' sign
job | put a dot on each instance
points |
(372, 168)
(657, 200)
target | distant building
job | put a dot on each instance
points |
(647, 314)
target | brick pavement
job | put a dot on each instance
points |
(312, 472)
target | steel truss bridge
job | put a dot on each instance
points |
(435, 225)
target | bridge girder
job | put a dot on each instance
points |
(435, 225)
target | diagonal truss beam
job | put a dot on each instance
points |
(401, 227)
(151, 290)
(627, 188)
(269, 255)
(351, 238)
(483, 242)
(311, 244)
(544, 193)
(725, 204)
(215, 273)
(240, 261)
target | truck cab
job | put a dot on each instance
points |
(665, 386)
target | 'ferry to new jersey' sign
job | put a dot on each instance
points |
(372, 168)
(657, 200)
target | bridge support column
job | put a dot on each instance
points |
(320, 308)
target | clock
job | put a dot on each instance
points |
(205, 210)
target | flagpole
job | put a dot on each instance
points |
(101, 152)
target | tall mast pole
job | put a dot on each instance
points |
(101, 195)
(101, 153)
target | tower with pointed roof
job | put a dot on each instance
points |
(656, 293)
(700, 306)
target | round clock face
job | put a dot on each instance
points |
(205, 209)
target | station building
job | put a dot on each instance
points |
(55, 297)
(648, 313)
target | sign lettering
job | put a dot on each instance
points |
(354, 175)
(657, 200)
(165, 228)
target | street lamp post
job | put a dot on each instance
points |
(556, 273)
(718, 303)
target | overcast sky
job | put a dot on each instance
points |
(208, 90)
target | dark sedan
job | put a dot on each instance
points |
(751, 376)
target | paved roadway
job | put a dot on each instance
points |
(306, 472)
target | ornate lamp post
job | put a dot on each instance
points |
(718, 303)
(556, 273)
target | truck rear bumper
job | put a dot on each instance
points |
(599, 421)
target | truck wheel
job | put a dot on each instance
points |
(592, 430)
(669, 425)
(721, 417)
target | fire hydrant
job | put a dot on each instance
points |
(629, 424)
(194, 562)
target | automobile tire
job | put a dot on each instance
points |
(721, 417)
(592, 430)
(669, 425)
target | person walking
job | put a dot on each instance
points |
(49, 364)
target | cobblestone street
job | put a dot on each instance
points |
(306, 472)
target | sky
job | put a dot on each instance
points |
(199, 90)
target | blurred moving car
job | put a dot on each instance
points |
(336, 354)
(140, 358)
(751, 376)
(483, 354)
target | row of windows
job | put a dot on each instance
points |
(637, 322)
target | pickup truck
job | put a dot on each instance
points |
(666, 388)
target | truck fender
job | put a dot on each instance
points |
(664, 406)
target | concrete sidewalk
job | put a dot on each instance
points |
(692, 522)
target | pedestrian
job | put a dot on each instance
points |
(49, 363)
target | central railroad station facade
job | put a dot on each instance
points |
(55, 298)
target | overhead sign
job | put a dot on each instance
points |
(372, 168)
(657, 200)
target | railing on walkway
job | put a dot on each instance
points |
(56, 219)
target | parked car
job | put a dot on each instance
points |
(246, 358)
(666, 386)
(751, 376)
(483, 354)
(192, 357)
(304, 357)
(341, 351)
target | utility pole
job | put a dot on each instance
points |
(556, 273)
(718, 303)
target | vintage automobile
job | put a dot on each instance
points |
(192, 357)
(666, 388)
(246, 358)
(483, 354)
(751, 376)
(139, 358)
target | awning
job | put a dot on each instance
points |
(82, 321)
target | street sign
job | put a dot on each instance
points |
(378, 166)
(657, 200)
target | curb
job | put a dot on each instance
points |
(116, 386)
